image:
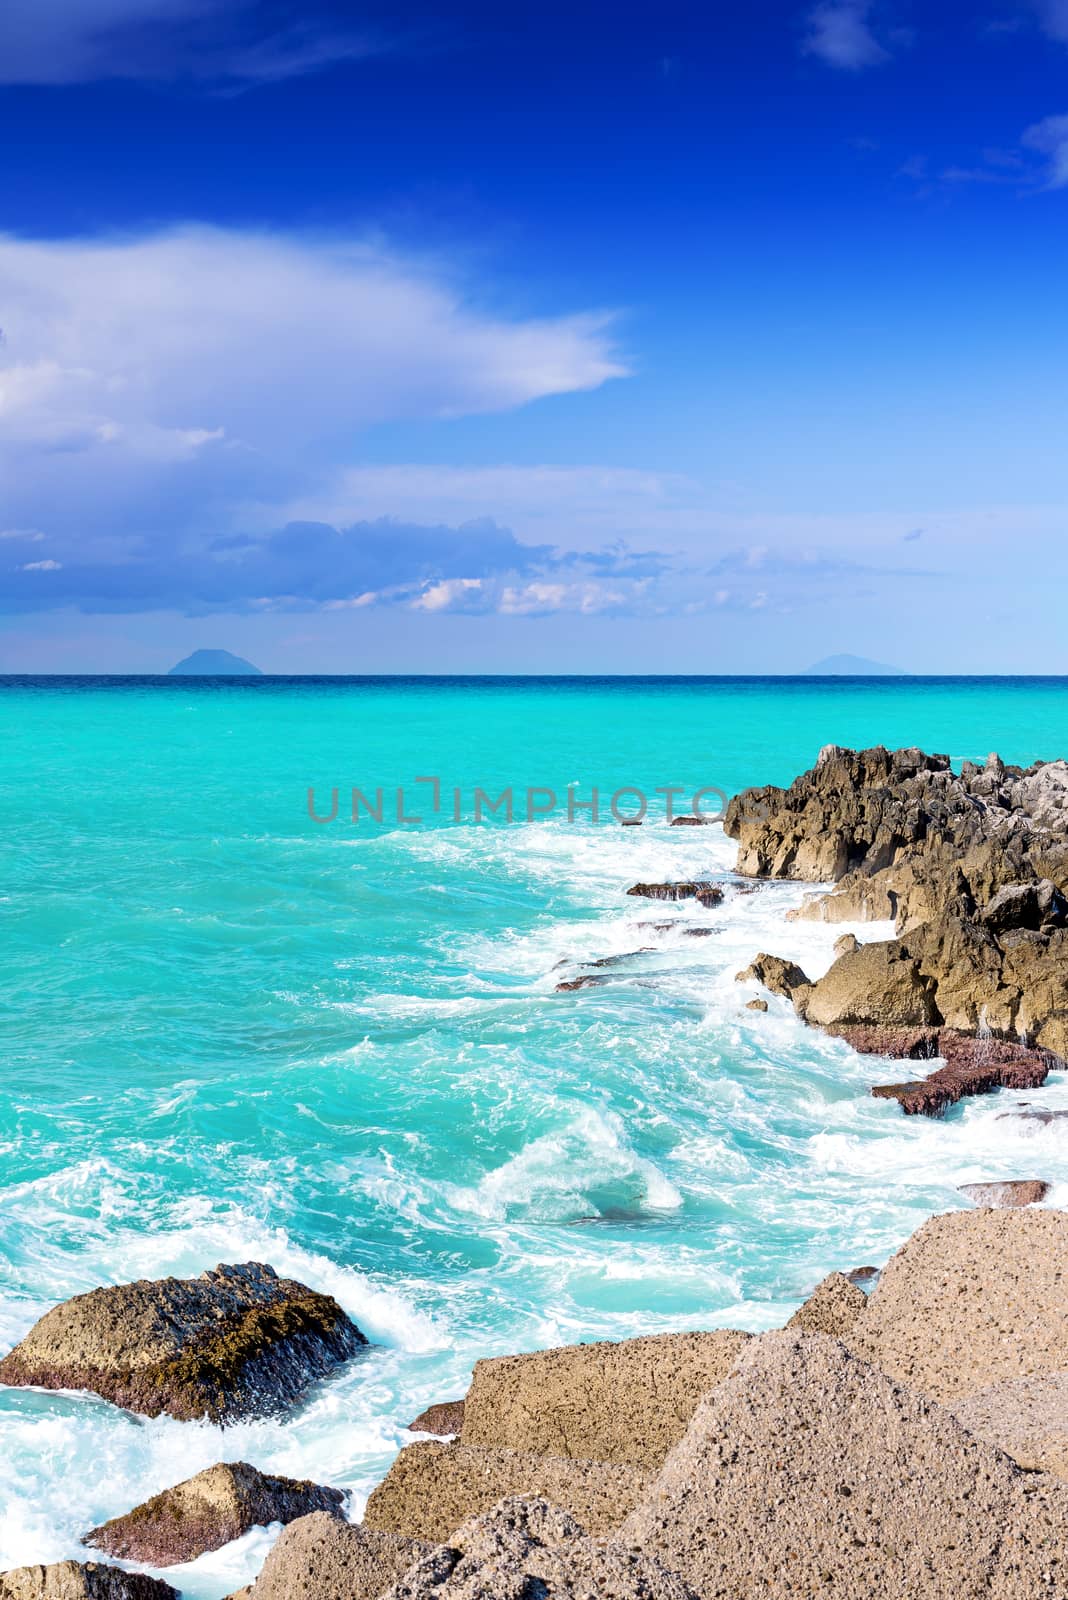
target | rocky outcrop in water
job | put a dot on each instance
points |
(973, 870)
(78, 1580)
(320, 1558)
(235, 1342)
(708, 894)
(207, 1511)
(1008, 1193)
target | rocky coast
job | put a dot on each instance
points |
(906, 1432)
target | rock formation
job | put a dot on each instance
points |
(832, 1307)
(207, 1511)
(235, 1342)
(444, 1419)
(320, 1558)
(74, 1580)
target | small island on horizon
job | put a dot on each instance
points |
(852, 667)
(214, 664)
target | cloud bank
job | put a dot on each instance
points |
(840, 33)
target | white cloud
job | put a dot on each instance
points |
(41, 566)
(238, 42)
(446, 595)
(840, 34)
(27, 535)
(1050, 138)
(535, 599)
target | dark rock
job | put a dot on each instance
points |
(235, 1342)
(699, 933)
(972, 1066)
(208, 1511)
(691, 822)
(588, 981)
(444, 1419)
(1043, 1116)
(1011, 1192)
(901, 1044)
(709, 894)
(88, 1580)
(862, 1275)
(631, 822)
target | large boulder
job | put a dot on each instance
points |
(810, 1473)
(627, 1402)
(207, 1511)
(974, 1298)
(531, 1550)
(1006, 1193)
(782, 977)
(874, 985)
(832, 1307)
(320, 1558)
(432, 1487)
(444, 1419)
(81, 1580)
(236, 1342)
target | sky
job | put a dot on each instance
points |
(687, 338)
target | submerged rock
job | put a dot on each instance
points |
(1007, 1193)
(809, 1472)
(320, 1558)
(627, 1402)
(208, 1511)
(833, 1307)
(974, 1298)
(444, 1419)
(81, 1580)
(432, 1488)
(236, 1342)
(530, 1550)
(709, 894)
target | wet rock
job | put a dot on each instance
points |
(781, 977)
(709, 894)
(691, 822)
(809, 1472)
(631, 822)
(627, 1402)
(432, 1488)
(587, 981)
(699, 933)
(900, 1044)
(972, 1066)
(1011, 1192)
(832, 1307)
(1027, 1418)
(756, 1005)
(445, 1419)
(863, 1275)
(1043, 1116)
(207, 1511)
(320, 1558)
(88, 1580)
(974, 1298)
(236, 1342)
(531, 1550)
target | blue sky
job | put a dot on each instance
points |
(636, 338)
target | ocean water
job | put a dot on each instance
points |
(232, 1033)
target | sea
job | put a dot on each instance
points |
(236, 1026)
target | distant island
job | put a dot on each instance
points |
(214, 664)
(852, 667)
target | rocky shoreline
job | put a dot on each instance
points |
(911, 1440)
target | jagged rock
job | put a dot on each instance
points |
(530, 1550)
(444, 1419)
(709, 894)
(972, 1066)
(320, 1558)
(432, 1488)
(832, 1307)
(846, 945)
(974, 1298)
(1025, 905)
(88, 1580)
(756, 1005)
(809, 1472)
(207, 1511)
(1007, 1193)
(1028, 1419)
(627, 1402)
(587, 981)
(691, 822)
(235, 1342)
(876, 985)
(781, 977)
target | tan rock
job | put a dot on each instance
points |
(780, 976)
(526, 1549)
(808, 1473)
(627, 1402)
(833, 1307)
(756, 1005)
(432, 1488)
(1027, 1418)
(974, 1298)
(444, 1419)
(876, 984)
(207, 1511)
(320, 1558)
(76, 1580)
(1006, 1194)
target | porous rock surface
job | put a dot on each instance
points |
(236, 1342)
(76, 1580)
(321, 1558)
(1027, 1418)
(444, 1419)
(207, 1511)
(810, 1473)
(972, 869)
(527, 1549)
(432, 1488)
(974, 1298)
(627, 1402)
(1006, 1193)
(832, 1307)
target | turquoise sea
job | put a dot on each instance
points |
(230, 1033)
